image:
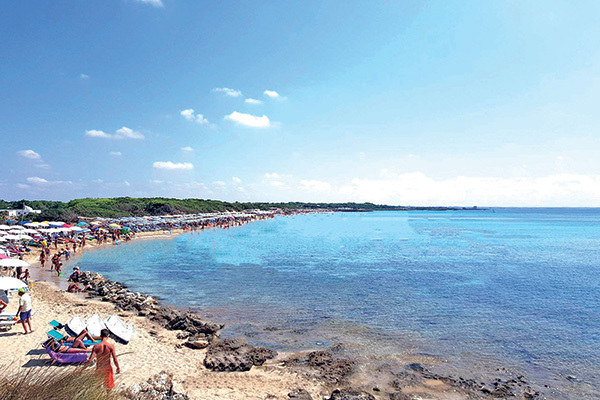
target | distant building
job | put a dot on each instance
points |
(16, 213)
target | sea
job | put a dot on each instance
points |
(471, 292)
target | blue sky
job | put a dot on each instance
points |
(398, 102)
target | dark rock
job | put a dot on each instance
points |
(400, 396)
(300, 394)
(235, 355)
(350, 394)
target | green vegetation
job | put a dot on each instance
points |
(53, 383)
(136, 207)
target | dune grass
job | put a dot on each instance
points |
(53, 383)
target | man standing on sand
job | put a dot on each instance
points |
(104, 351)
(24, 310)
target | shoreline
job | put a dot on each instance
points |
(412, 378)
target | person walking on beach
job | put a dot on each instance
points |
(104, 351)
(24, 310)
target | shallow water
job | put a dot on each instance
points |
(478, 289)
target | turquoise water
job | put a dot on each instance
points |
(478, 289)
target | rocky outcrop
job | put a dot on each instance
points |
(299, 394)
(331, 367)
(158, 387)
(235, 355)
(350, 394)
(198, 331)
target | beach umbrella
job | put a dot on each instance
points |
(5, 227)
(10, 221)
(11, 237)
(3, 256)
(23, 222)
(25, 237)
(8, 283)
(116, 226)
(14, 262)
(81, 224)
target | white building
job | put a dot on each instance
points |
(16, 213)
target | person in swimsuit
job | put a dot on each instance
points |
(58, 348)
(104, 352)
(78, 341)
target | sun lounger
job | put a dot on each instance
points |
(55, 324)
(65, 358)
(7, 322)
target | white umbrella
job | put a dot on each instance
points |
(13, 262)
(30, 231)
(3, 232)
(25, 237)
(15, 231)
(4, 227)
(18, 227)
(11, 237)
(8, 283)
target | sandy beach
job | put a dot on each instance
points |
(147, 354)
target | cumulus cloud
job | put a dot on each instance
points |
(272, 94)
(155, 3)
(236, 179)
(228, 92)
(121, 133)
(115, 153)
(32, 155)
(315, 185)
(249, 120)
(190, 116)
(84, 77)
(171, 166)
(187, 149)
(37, 181)
(253, 101)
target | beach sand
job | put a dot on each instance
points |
(146, 354)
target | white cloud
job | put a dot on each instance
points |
(314, 185)
(273, 175)
(168, 165)
(272, 94)
(97, 133)
(84, 77)
(32, 155)
(236, 179)
(115, 153)
(36, 180)
(121, 133)
(219, 183)
(23, 186)
(190, 116)
(155, 3)
(419, 189)
(228, 92)
(249, 120)
(187, 149)
(253, 101)
(125, 132)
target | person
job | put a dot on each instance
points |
(3, 301)
(24, 310)
(75, 275)
(78, 341)
(104, 351)
(25, 276)
(59, 348)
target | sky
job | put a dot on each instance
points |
(488, 103)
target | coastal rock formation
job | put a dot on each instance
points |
(235, 355)
(147, 306)
(299, 394)
(350, 394)
(158, 387)
(332, 368)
